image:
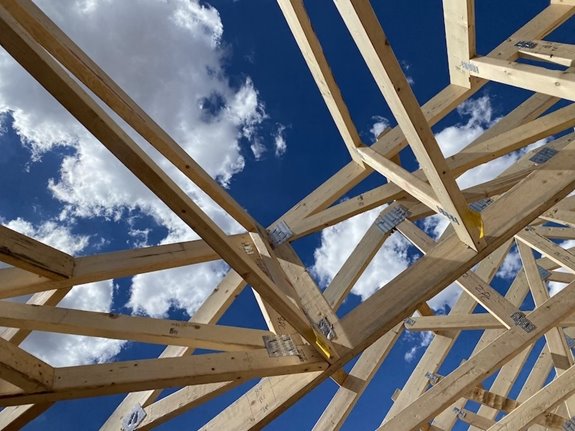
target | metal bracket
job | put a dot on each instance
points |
(520, 320)
(280, 233)
(543, 273)
(460, 413)
(433, 378)
(134, 418)
(326, 328)
(543, 155)
(470, 67)
(248, 248)
(409, 321)
(280, 345)
(526, 44)
(481, 204)
(569, 425)
(391, 218)
(570, 341)
(448, 215)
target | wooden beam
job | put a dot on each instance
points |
(555, 83)
(181, 401)
(122, 327)
(548, 248)
(357, 381)
(55, 41)
(34, 256)
(22, 369)
(117, 377)
(545, 399)
(117, 264)
(474, 419)
(555, 232)
(416, 187)
(296, 16)
(363, 25)
(507, 405)
(560, 216)
(357, 262)
(553, 52)
(465, 322)
(555, 338)
(459, 17)
(14, 418)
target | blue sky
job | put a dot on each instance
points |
(226, 79)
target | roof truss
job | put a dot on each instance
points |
(307, 342)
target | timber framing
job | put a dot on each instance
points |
(525, 213)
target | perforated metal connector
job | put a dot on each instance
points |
(387, 221)
(569, 425)
(280, 345)
(280, 233)
(459, 412)
(526, 44)
(570, 341)
(433, 378)
(481, 204)
(134, 418)
(543, 155)
(522, 321)
(543, 273)
(326, 328)
(409, 321)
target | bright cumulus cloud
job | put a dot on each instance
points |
(176, 74)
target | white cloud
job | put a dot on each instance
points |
(554, 286)
(280, 144)
(379, 125)
(446, 298)
(510, 266)
(258, 149)
(183, 288)
(337, 243)
(419, 341)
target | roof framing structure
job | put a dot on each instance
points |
(527, 207)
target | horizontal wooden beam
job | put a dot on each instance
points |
(556, 83)
(34, 256)
(469, 322)
(122, 327)
(117, 377)
(553, 52)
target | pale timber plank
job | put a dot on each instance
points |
(34, 256)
